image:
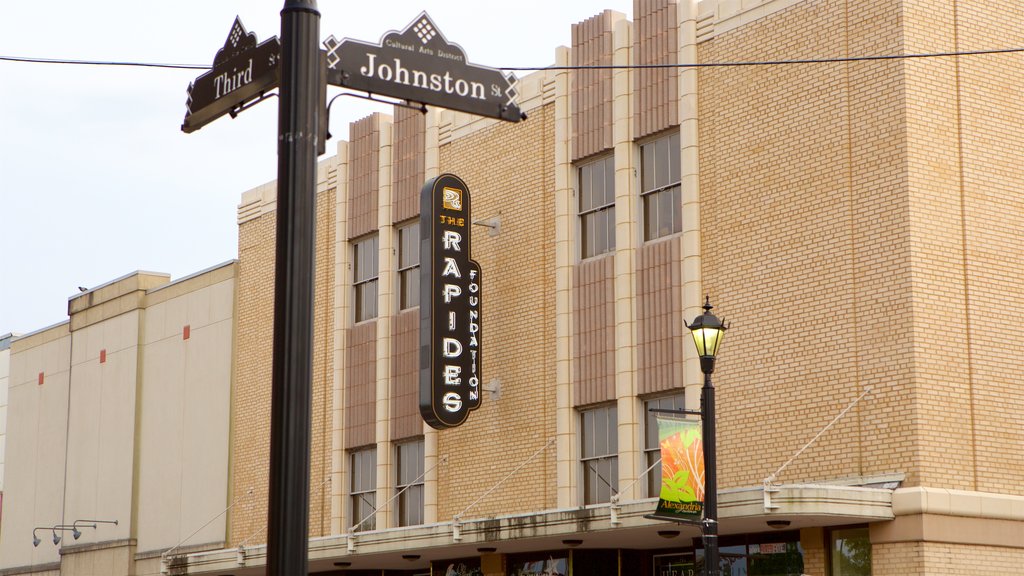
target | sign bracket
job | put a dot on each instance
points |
(246, 105)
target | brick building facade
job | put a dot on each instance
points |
(854, 219)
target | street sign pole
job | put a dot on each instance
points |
(298, 130)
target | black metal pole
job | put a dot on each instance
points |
(710, 526)
(291, 394)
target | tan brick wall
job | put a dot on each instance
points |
(250, 410)
(804, 245)
(845, 199)
(812, 540)
(898, 559)
(916, 558)
(960, 560)
(509, 169)
(992, 179)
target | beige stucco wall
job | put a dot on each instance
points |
(101, 426)
(143, 413)
(184, 413)
(5, 373)
(36, 432)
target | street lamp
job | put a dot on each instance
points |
(707, 331)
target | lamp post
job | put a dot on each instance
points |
(707, 331)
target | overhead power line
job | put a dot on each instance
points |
(776, 62)
(102, 63)
(32, 60)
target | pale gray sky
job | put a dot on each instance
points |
(96, 178)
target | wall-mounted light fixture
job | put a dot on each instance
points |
(54, 529)
(93, 523)
(572, 543)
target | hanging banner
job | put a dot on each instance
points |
(682, 468)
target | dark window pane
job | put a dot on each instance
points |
(665, 224)
(650, 215)
(677, 209)
(611, 228)
(600, 433)
(673, 158)
(613, 430)
(609, 175)
(850, 552)
(646, 167)
(661, 162)
(654, 476)
(583, 190)
(410, 483)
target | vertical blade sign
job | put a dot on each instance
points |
(450, 359)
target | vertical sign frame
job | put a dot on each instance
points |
(450, 307)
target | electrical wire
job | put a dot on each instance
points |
(775, 62)
(32, 60)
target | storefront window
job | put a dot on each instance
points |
(675, 565)
(461, 567)
(763, 554)
(850, 552)
(539, 564)
(775, 559)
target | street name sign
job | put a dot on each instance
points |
(419, 65)
(242, 71)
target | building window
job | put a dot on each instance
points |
(652, 448)
(599, 454)
(365, 278)
(760, 554)
(849, 552)
(410, 477)
(364, 488)
(660, 190)
(409, 266)
(596, 182)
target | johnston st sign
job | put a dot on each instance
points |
(419, 65)
(242, 70)
(450, 357)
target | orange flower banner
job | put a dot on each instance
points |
(682, 468)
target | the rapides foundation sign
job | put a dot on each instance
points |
(419, 65)
(450, 327)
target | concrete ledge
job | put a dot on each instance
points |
(93, 546)
(961, 503)
(950, 530)
(598, 526)
(38, 569)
